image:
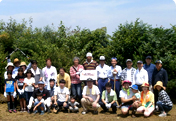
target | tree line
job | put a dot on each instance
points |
(134, 40)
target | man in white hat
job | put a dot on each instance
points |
(90, 64)
(102, 75)
(10, 67)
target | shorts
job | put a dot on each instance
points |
(21, 95)
(126, 106)
(9, 93)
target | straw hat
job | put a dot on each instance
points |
(23, 64)
(9, 64)
(145, 84)
(16, 60)
(159, 83)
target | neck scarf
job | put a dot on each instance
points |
(127, 90)
(88, 91)
(147, 97)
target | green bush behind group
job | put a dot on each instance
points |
(134, 40)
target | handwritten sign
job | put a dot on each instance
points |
(85, 74)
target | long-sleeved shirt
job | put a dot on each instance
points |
(164, 98)
(160, 75)
(111, 69)
(128, 74)
(66, 77)
(140, 77)
(150, 69)
(90, 66)
(102, 72)
(49, 73)
(75, 78)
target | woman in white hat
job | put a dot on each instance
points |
(9, 67)
(146, 101)
(164, 102)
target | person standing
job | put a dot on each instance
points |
(160, 74)
(140, 76)
(115, 72)
(90, 64)
(49, 72)
(75, 71)
(149, 67)
(63, 75)
(102, 75)
(128, 72)
(37, 72)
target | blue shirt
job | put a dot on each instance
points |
(150, 69)
(110, 72)
(9, 85)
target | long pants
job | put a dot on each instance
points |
(101, 85)
(113, 106)
(163, 108)
(86, 104)
(156, 95)
(28, 96)
(146, 112)
(39, 107)
(117, 86)
(76, 90)
(60, 104)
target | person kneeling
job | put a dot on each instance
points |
(164, 102)
(39, 104)
(61, 93)
(73, 105)
(91, 96)
(109, 98)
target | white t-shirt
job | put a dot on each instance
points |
(124, 94)
(29, 82)
(129, 75)
(37, 101)
(94, 97)
(61, 93)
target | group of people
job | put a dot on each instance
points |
(39, 90)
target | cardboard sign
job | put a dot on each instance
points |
(85, 74)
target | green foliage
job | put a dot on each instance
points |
(133, 40)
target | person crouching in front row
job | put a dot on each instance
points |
(109, 99)
(61, 95)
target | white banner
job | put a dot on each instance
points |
(85, 74)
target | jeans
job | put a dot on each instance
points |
(101, 85)
(39, 107)
(76, 90)
(27, 96)
(113, 106)
(163, 107)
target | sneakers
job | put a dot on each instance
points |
(24, 110)
(10, 111)
(35, 112)
(162, 114)
(95, 112)
(14, 110)
(42, 112)
(156, 108)
(83, 112)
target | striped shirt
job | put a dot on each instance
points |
(164, 98)
(90, 66)
(75, 79)
(124, 74)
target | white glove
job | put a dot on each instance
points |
(114, 72)
(14, 94)
(19, 91)
(22, 91)
(29, 107)
(5, 95)
(77, 73)
(108, 105)
(151, 88)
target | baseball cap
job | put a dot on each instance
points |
(90, 79)
(128, 60)
(89, 54)
(102, 58)
(139, 62)
(158, 61)
(135, 87)
(148, 57)
(41, 82)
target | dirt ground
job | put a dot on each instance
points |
(5, 116)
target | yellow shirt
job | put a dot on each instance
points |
(151, 99)
(66, 77)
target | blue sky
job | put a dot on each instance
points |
(90, 14)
